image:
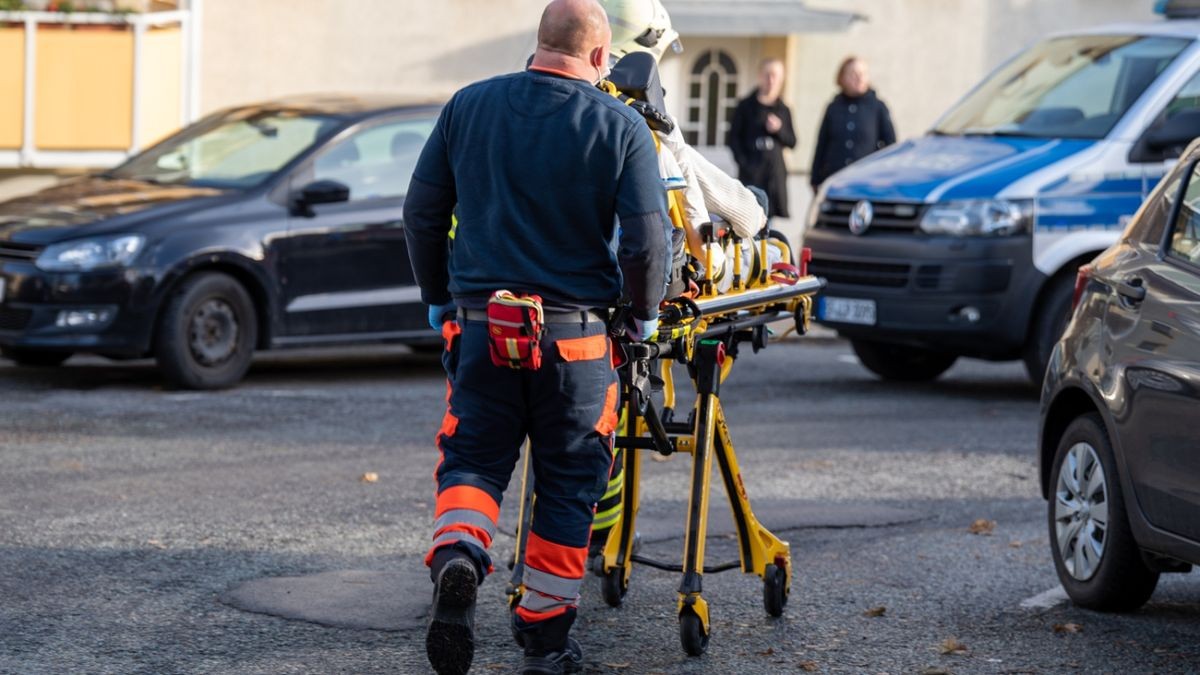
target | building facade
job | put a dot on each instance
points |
(158, 69)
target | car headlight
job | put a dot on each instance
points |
(82, 255)
(987, 217)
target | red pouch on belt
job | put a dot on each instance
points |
(515, 326)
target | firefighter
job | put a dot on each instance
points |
(558, 200)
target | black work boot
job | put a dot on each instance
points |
(450, 642)
(549, 649)
(568, 660)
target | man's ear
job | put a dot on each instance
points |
(596, 58)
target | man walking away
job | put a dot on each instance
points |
(759, 131)
(540, 168)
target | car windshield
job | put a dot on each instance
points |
(236, 150)
(1072, 87)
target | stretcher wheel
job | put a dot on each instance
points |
(775, 590)
(613, 587)
(691, 633)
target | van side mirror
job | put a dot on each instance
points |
(320, 192)
(1175, 134)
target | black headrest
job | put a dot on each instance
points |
(636, 75)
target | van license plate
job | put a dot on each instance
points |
(847, 310)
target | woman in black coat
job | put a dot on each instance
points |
(759, 131)
(856, 123)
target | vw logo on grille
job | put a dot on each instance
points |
(861, 217)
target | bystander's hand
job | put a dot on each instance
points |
(774, 124)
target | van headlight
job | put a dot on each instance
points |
(979, 217)
(814, 207)
(82, 255)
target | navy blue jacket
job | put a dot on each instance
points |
(539, 170)
(851, 129)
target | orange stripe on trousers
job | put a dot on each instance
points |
(533, 617)
(470, 497)
(564, 561)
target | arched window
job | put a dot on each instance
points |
(712, 96)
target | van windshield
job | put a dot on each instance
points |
(1071, 87)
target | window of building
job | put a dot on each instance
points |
(712, 96)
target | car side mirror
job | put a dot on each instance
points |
(1175, 134)
(323, 192)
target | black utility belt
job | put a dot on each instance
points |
(581, 316)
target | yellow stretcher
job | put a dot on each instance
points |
(704, 334)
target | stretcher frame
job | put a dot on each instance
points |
(706, 336)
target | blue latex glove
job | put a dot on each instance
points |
(437, 314)
(642, 330)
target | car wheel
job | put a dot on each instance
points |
(1098, 561)
(900, 362)
(207, 333)
(34, 358)
(1053, 315)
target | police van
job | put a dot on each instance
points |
(967, 241)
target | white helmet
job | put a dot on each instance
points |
(640, 26)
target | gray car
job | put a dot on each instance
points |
(1120, 443)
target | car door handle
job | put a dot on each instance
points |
(1132, 290)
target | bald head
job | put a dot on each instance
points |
(574, 28)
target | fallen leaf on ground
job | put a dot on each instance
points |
(809, 666)
(1015, 544)
(952, 646)
(770, 651)
(982, 526)
(155, 543)
(1068, 628)
(370, 477)
(876, 611)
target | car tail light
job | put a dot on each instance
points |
(1081, 281)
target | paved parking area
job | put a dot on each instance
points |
(127, 511)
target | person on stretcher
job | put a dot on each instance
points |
(641, 35)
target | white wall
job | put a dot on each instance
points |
(924, 54)
(269, 48)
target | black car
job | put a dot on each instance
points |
(266, 226)
(1120, 443)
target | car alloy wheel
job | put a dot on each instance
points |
(1081, 511)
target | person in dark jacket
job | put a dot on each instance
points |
(856, 123)
(759, 131)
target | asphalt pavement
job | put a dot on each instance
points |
(130, 513)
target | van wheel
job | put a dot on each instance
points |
(34, 358)
(901, 362)
(1054, 313)
(1097, 559)
(207, 333)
